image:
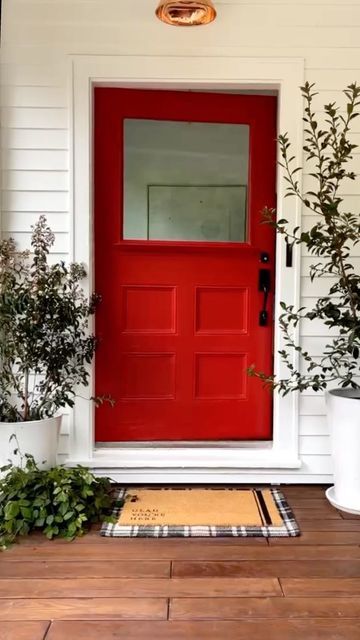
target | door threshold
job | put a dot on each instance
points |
(135, 459)
(190, 444)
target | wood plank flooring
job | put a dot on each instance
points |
(305, 588)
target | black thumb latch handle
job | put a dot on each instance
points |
(264, 286)
(263, 318)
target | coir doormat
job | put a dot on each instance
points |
(194, 512)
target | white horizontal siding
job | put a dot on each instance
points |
(35, 139)
(307, 261)
(33, 75)
(55, 257)
(318, 287)
(327, 58)
(312, 405)
(29, 96)
(230, 29)
(316, 328)
(112, 5)
(33, 180)
(28, 118)
(313, 426)
(313, 445)
(63, 446)
(42, 159)
(22, 239)
(38, 35)
(356, 250)
(320, 113)
(289, 14)
(39, 201)
(348, 188)
(79, 24)
(12, 221)
(315, 345)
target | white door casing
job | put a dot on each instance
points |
(189, 462)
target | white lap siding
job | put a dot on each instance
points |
(39, 36)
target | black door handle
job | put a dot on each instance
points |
(264, 286)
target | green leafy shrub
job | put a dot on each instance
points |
(45, 344)
(59, 502)
(330, 241)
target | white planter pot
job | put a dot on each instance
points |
(37, 437)
(343, 414)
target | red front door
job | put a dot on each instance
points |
(180, 318)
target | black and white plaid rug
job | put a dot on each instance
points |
(288, 528)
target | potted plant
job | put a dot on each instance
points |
(330, 241)
(45, 345)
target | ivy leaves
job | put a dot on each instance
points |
(61, 502)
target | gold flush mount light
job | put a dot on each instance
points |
(186, 13)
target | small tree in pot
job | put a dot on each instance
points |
(45, 345)
(331, 241)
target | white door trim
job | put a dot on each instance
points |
(285, 75)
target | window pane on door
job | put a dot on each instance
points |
(185, 181)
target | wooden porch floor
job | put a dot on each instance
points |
(304, 588)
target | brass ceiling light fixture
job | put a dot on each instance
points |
(186, 13)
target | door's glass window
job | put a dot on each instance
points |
(185, 181)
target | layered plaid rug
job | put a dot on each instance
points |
(197, 512)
